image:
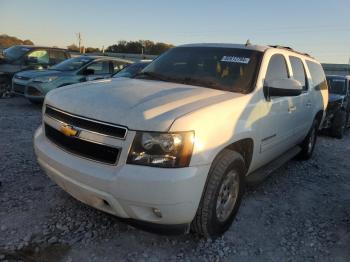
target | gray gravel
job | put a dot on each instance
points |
(301, 213)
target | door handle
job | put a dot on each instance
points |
(308, 104)
(291, 109)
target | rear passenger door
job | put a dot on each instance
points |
(303, 103)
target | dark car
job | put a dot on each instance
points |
(132, 70)
(25, 57)
(35, 84)
(338, 110)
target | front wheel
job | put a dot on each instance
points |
(308, 145)
(222, 195)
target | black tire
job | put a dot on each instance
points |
(338, 124)
(206, 221)
(308, 145)
(35, 102)
(5, 87)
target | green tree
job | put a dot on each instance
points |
(7, 41)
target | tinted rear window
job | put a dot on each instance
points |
(317, 74)
(336, 85)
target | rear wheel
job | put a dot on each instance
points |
(308, 145)
(222, 195)
(338, 124)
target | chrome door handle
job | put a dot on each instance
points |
(292, 108)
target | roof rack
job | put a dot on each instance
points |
(290, 49)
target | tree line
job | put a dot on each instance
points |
(146, 47)
(7, 41)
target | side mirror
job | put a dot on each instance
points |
(88, 71)
(282, 87)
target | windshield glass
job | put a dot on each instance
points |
(72, 64)
(15, 52)
(131, 70)
(229, 69)
(337, 86)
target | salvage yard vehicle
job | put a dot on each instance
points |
(338, 110)
(131, 70)
(26, 57)
(34, 85)
(176, 144)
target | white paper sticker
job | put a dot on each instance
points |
(235, 59)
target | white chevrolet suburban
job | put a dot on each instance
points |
(175, 145)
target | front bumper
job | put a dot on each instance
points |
(127, 191)
(28, 89)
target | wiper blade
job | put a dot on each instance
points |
(150, 75)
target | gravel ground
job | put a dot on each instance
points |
(301, 213)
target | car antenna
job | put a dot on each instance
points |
(248, 43)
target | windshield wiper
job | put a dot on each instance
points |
(151, 76)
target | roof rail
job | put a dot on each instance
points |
(290, 49)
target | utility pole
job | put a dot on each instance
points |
(79, 41)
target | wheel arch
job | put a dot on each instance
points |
(244, 146)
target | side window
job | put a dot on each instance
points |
(42, 56)
(277, 68)
(117, 66)
(317, 74)
(57, 56)
(298, 71)
(100, 67)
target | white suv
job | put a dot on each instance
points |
(175, 145)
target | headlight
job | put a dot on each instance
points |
(161, 149)
(45, 79)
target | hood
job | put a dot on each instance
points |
(138, 104)
(335, 97)
(39, 73)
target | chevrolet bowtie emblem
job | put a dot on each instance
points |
(68, 130)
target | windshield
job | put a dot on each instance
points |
(15, 52)
(337, 86)
(72, 64)
(229, 69)
(131, 70)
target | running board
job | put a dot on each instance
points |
(262, 173)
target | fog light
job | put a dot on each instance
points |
(157, 212)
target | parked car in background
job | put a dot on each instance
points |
(131, 70)
(24, 57)
(175, 144)
(338, 110)
(34, 85)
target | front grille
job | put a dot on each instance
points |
(88, 124)
(18, 88)
(83, 148)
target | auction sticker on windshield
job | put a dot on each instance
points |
(235, 59)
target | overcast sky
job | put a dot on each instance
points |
(321, 28)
